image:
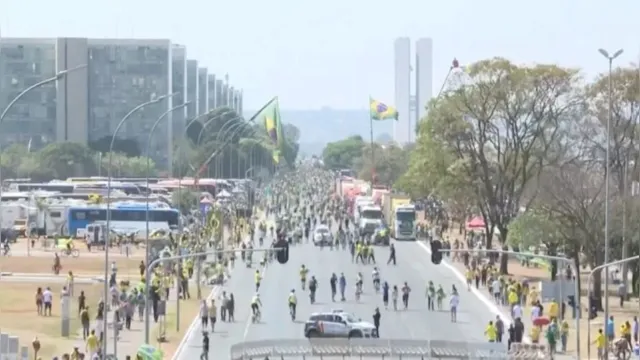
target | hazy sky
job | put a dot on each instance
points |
(338, 52)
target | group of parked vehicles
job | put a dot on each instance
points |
(380, 210)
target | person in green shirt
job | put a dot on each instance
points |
(431, 296)
(440, 295)
(552, 337)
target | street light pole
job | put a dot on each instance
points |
(54, 78)
(233, 128)
(204, 127)
(607, 176)
(147, 251)
(589, 292)
(223, 131)
(108, 234)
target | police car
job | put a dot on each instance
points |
(338, 323)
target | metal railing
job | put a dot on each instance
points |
(383, 348)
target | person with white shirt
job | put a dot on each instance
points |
(535, 312)
(516, 312)
(47, 299)
(495, 290)
(454, 301)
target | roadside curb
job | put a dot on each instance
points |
(194, 324)
(479, 295)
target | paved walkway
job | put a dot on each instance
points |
(128, 341)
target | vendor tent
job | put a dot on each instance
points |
(476, 223)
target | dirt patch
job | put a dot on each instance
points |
(189, 309)
(18, 316)
(89, 265)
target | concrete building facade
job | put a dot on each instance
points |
(192, 88)
(203, 94)
(211, 91)
(402, 70)
(86, 104)
(24, 62)
(424, 76)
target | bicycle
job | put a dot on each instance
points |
(620, 348)
(256, 316)
(71, 253)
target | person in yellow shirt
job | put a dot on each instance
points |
(92, 344)
(257, 279)
(601, 344)
(534, 334)
(491, 332)
(512, 298)
(469, 275)
(533, 296)
(564, 334)
(553, 310)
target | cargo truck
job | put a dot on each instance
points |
(400, 216)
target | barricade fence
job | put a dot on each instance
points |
(382, 348)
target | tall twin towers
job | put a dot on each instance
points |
(411, 96)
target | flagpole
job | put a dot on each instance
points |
(373, 166)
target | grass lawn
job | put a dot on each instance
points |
(18, 316)
(87, 265)
(189, 310)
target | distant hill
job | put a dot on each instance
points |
(318, 127)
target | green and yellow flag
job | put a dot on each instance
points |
(269, 116)
(381, 111)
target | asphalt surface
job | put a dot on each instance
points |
(415, 323)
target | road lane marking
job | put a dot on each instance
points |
(249, 322)
(482, 297)
(191, 331)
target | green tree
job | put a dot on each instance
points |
(123, 166)
(492, 137)
(533, 229)
(624, 135)
(32, 167)
(67, 159)
(343, 154)
(11, 159)
(389, 163)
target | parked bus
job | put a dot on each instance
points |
(60, 187)
(208, 185)
(122, 214)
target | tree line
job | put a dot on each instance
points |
(242, 149)
(387, 162)
(525, 147)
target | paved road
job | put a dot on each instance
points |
(416, 323)
(241, 285)
(413, 267)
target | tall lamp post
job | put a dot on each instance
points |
(54, 78)
(224, 125)
(179, 150)
(147, 251)
(108, 235)
(232, 129)
(607, 176)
